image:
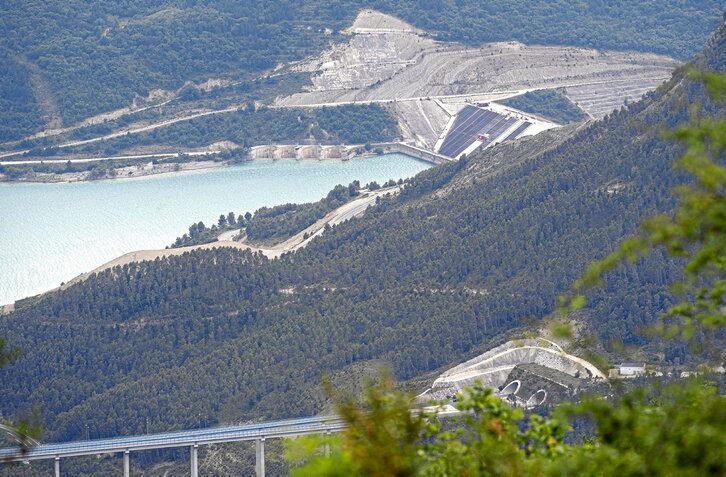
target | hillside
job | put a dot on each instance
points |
(67, 62)
(387, 59)
(551, 104)
(462, 255)
(423, 82)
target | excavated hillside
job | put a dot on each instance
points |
(388, 60)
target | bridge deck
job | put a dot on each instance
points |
(261, 430)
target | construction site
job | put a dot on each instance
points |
(426, 83)
(444, 96)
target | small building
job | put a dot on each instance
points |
(632, 369)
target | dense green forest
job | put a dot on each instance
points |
(551, 104)
(97, 56)
(662, 426)
(19, 111)
(284, 221)
(463, 254)
(421, 280)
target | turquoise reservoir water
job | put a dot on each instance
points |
(49, 233)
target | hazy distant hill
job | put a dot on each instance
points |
(64, 61)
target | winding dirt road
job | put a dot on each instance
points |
(343, 213)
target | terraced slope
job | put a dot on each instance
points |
(387, 60)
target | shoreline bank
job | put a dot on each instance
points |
(145, 169)
(149, 169)
(127, 172)
(343, 213)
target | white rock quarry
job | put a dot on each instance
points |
(389, 61)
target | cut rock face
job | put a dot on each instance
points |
(387, 59)
(381, 45)
(495, 369)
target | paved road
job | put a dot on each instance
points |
(338, 216)
(191, 437)
(341, 214)
(359, 206)
(500, 95)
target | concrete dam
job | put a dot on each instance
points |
(343, 152)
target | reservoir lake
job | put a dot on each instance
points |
(50, 233)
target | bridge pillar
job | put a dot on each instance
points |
(127, 464)
(57, 467)
(195, 463)
(326, 448)
(260, 457)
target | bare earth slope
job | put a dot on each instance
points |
(388, 60)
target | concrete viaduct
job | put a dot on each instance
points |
(192, 438)
(257, 432)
